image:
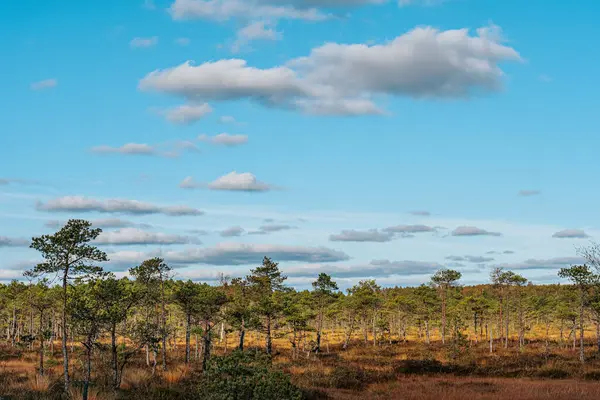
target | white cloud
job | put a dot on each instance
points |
(236, 254)
(222, 10)
(133, 207)
(571, 234)
(168, 149)
(186, 114)
(189, 183)
(372, 235)
(471, 259)
(408, 229)
(257, 30)
(473, 231)
(344, 79)
(234, 181)
(134, 236)
(225, 139)
(102, 223)
(141, 42)
(550, 263)
(45, 84)
(129, 148)
(233, 231)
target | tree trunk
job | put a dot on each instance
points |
(581, 330)
(164, 326)
(115, 355)
(475, 326)
(206, 352)
(88, 369)
(507, 321)
(269, 344)
(41, 343)
(491, 338)
(443, 316)
(242, 335)
(427, 337)
(319, 327)
(598, 335)
(188, 324)
(64, 332)
(374, 329)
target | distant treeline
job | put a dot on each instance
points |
(150, 311)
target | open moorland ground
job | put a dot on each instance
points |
(408, 370)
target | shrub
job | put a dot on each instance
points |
(246, 376)
(592, 376)
(343, 377)
(552, 373)
(420, 367)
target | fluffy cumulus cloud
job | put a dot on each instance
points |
(241, 182)
(81, 204)
(257, 30)
(13, 242)
(371, 235)
(473, 231)
(571, 234)
(224, 139)
(222, 10)
(45, 84)
(103, 223)
(345, 78)
(186, 114)
(134, 236)
(236, 254)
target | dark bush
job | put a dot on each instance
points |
(246, 376)
(552, 373)
(421, 367)
(343, 377)
(592, 376)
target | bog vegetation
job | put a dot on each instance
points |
(76, 331)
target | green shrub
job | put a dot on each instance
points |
(246, 376)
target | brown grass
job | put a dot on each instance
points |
(410, 370)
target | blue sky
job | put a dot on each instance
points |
(325, 122)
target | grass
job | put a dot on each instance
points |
(410, 370)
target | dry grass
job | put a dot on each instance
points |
(389, 371)
(456, 388)
(176, 374)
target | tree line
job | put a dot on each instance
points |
(70, 297)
